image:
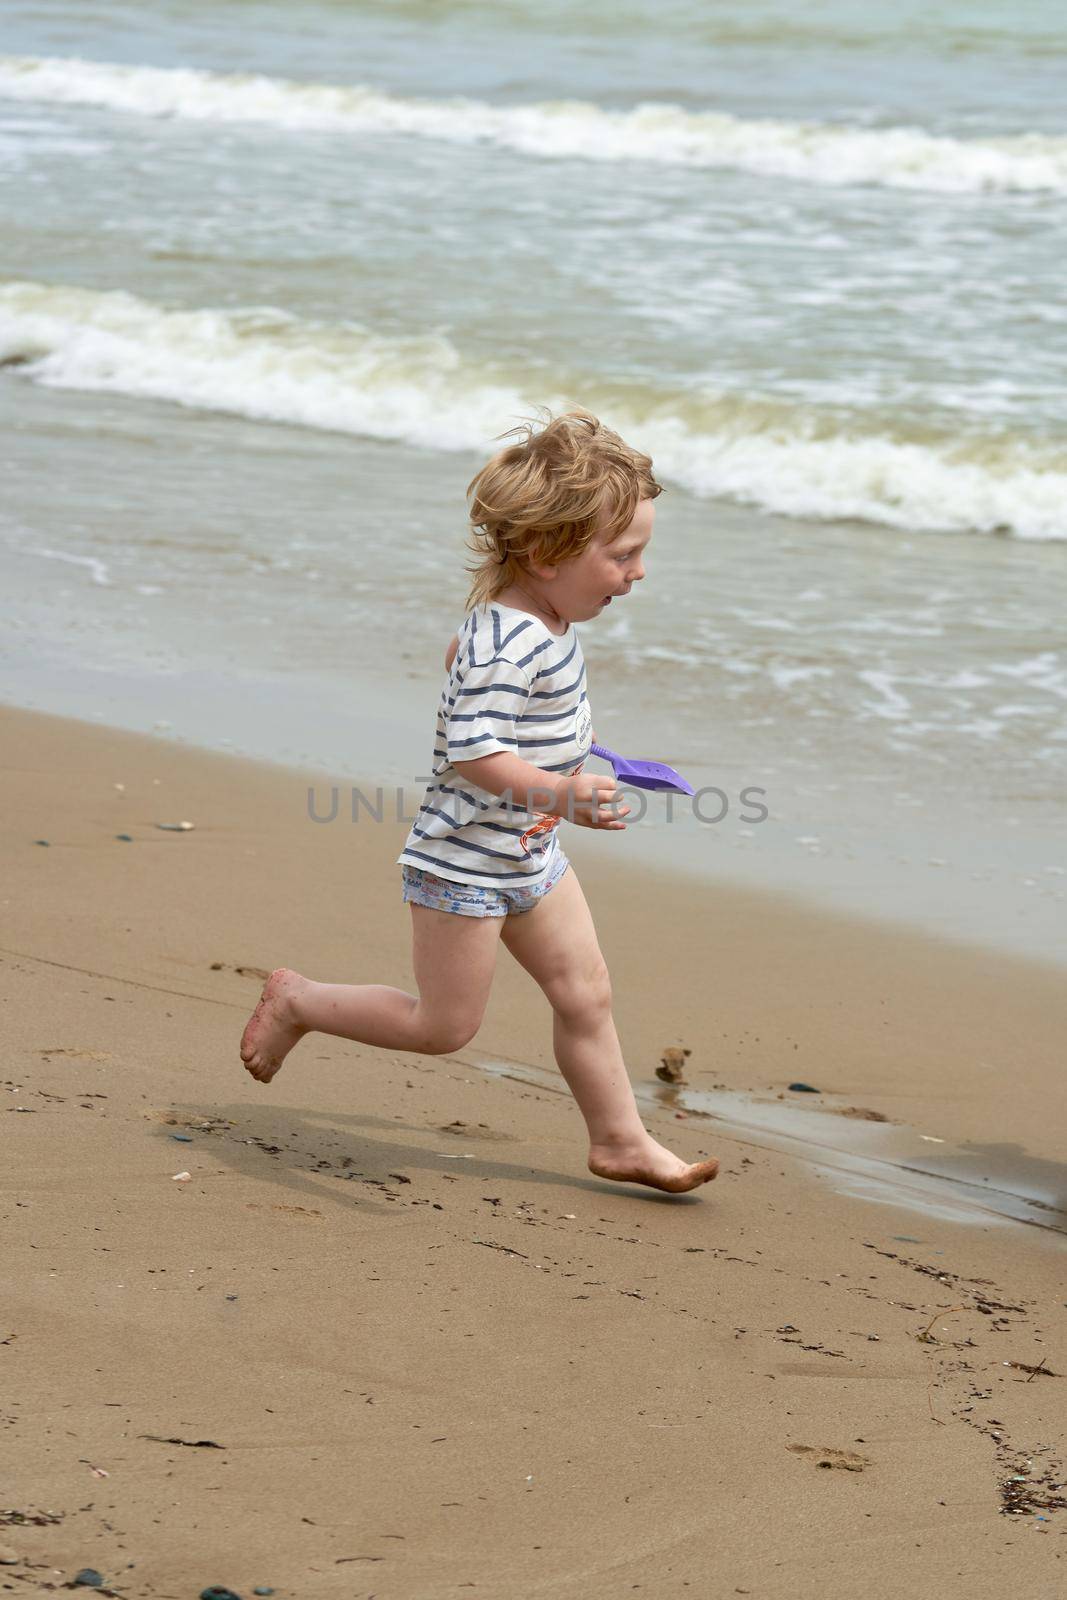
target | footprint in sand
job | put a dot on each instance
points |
(243, 972)
(474, 1130)
(81, 1055)
(844, 1460)
(304, 1213)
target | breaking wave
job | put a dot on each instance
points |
(263, 363)
(827, 153)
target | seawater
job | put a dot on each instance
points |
(274, 276)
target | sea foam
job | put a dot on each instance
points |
(264, 363)
(814, 152)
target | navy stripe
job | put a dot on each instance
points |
(497, 688)
(465, 844)
(514, 829)
(546, 644)
(555, 667)
(520, 627)
(568, 767)
(554, 694)
(481, 716)
(548, 716)
(523, 717)
(453, 822)
(444, 788)
(461, 744)
(544, 744)
(504, 877)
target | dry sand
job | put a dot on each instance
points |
(392, 1339)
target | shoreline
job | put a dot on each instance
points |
(753, 942)
(982, 884)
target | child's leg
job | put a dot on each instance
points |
(557, 944)
(454, 958)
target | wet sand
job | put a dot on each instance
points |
(391, 1338)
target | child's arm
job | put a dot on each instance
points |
(450, 653)
(583, 798)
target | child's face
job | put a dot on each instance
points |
(584, 587)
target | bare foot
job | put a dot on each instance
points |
(648, 1162)
(271, 1030)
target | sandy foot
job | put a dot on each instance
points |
(651, 1164)
(271, 1031)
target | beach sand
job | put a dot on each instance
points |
(392, 1339)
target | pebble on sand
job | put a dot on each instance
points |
(672, 1064)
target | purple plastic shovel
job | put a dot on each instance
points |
(642, 774)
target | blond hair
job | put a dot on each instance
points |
(546, 497)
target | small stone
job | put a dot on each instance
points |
(127, 838)
(804, 1088)
(8, 1557)
(218, 1591)
(672, 1064)
(88, 1578)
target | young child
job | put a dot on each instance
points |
(560, 523)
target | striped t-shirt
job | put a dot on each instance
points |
(517, 687)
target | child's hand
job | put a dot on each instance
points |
(586, 798)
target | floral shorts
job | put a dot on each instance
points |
(473, 899)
